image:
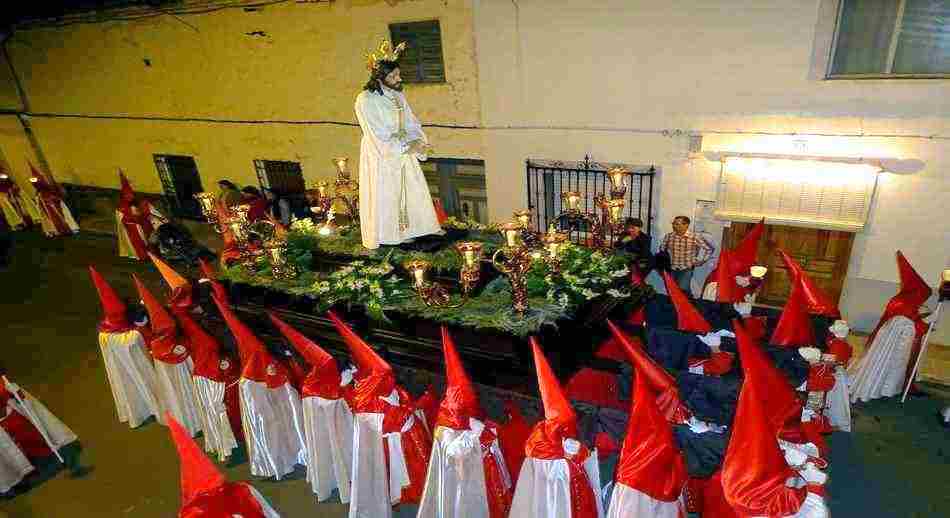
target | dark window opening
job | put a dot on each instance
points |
(422, 61)
(180, 181)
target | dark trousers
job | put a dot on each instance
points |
(684, 279)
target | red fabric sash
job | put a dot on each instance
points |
(416, 447)
(25, 436)
(50, 202)
(499, 495)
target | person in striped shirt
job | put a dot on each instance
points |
(687, 251)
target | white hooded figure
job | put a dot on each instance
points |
(328, 421)
(467, 476)
(128, 366)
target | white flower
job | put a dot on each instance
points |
(588, 293)
(619, 273)
(618, 294)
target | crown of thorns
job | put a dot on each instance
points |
(385, 52)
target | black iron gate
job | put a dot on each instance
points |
(547, 179)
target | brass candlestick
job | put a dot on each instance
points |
(618, 181)
(281, 269)
(471, 272)
(554, 242)
(206, 201)
(434, 294)
(516, 263)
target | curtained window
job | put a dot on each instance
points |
(892, 38)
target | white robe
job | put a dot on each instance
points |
(881, 371)
(219, 437)
(176, 393)
(390, 177)
(626, 502)
(455, 481)
(544, 491)
(126, 249)
(10, 212)
(13, 463)
(273, 428)
(328, 424)
(131, 377)
(837, 404)
(49, 228)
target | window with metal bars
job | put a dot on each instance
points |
(180, 181)
(422, 61)
(891, 38)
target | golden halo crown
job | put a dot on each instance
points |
(385, 52)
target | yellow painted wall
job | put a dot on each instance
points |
(308, 66)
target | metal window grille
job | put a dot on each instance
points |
(281, 176)
(547, 179)
(422, 61)
(180, 182)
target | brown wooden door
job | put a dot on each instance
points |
(823, 254)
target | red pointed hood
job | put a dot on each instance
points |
(257, 363)
(782, 405)
(205, 351)
(159, 319)
(115, 319)
(661, 382)
(217, 289)
(323, 380)
(914, 290)
(460, 401)
(375, 377)
(198, 474)
(745, 254)
(726, 288)
(650, 461)
(180, 298)
(126, 193)
(794, 327)
(557, 409)
(754, 470)
(688, 318)
(816, 301)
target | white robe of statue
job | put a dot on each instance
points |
(395, 204)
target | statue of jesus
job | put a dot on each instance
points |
(395, 204)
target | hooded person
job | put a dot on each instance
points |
(560, 476)
(739, 262)
(218, 291)
(271, 413)
(838, 403)
(327, 419)
(661, 382)
(783, 407)
(893, 346)
(29, 433)
(390, 444)
(133, 220)
(651, 473)
(467, 475)
(794, 327)
(215, 376)
(757, 479)
(173, 363)
(128, 367)
(205, 493)
(55, 217)
(513, 434)
(815, 300)
(11, 204)
(180, 298)
(690, 320)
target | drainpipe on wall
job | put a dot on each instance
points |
(25, 108)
